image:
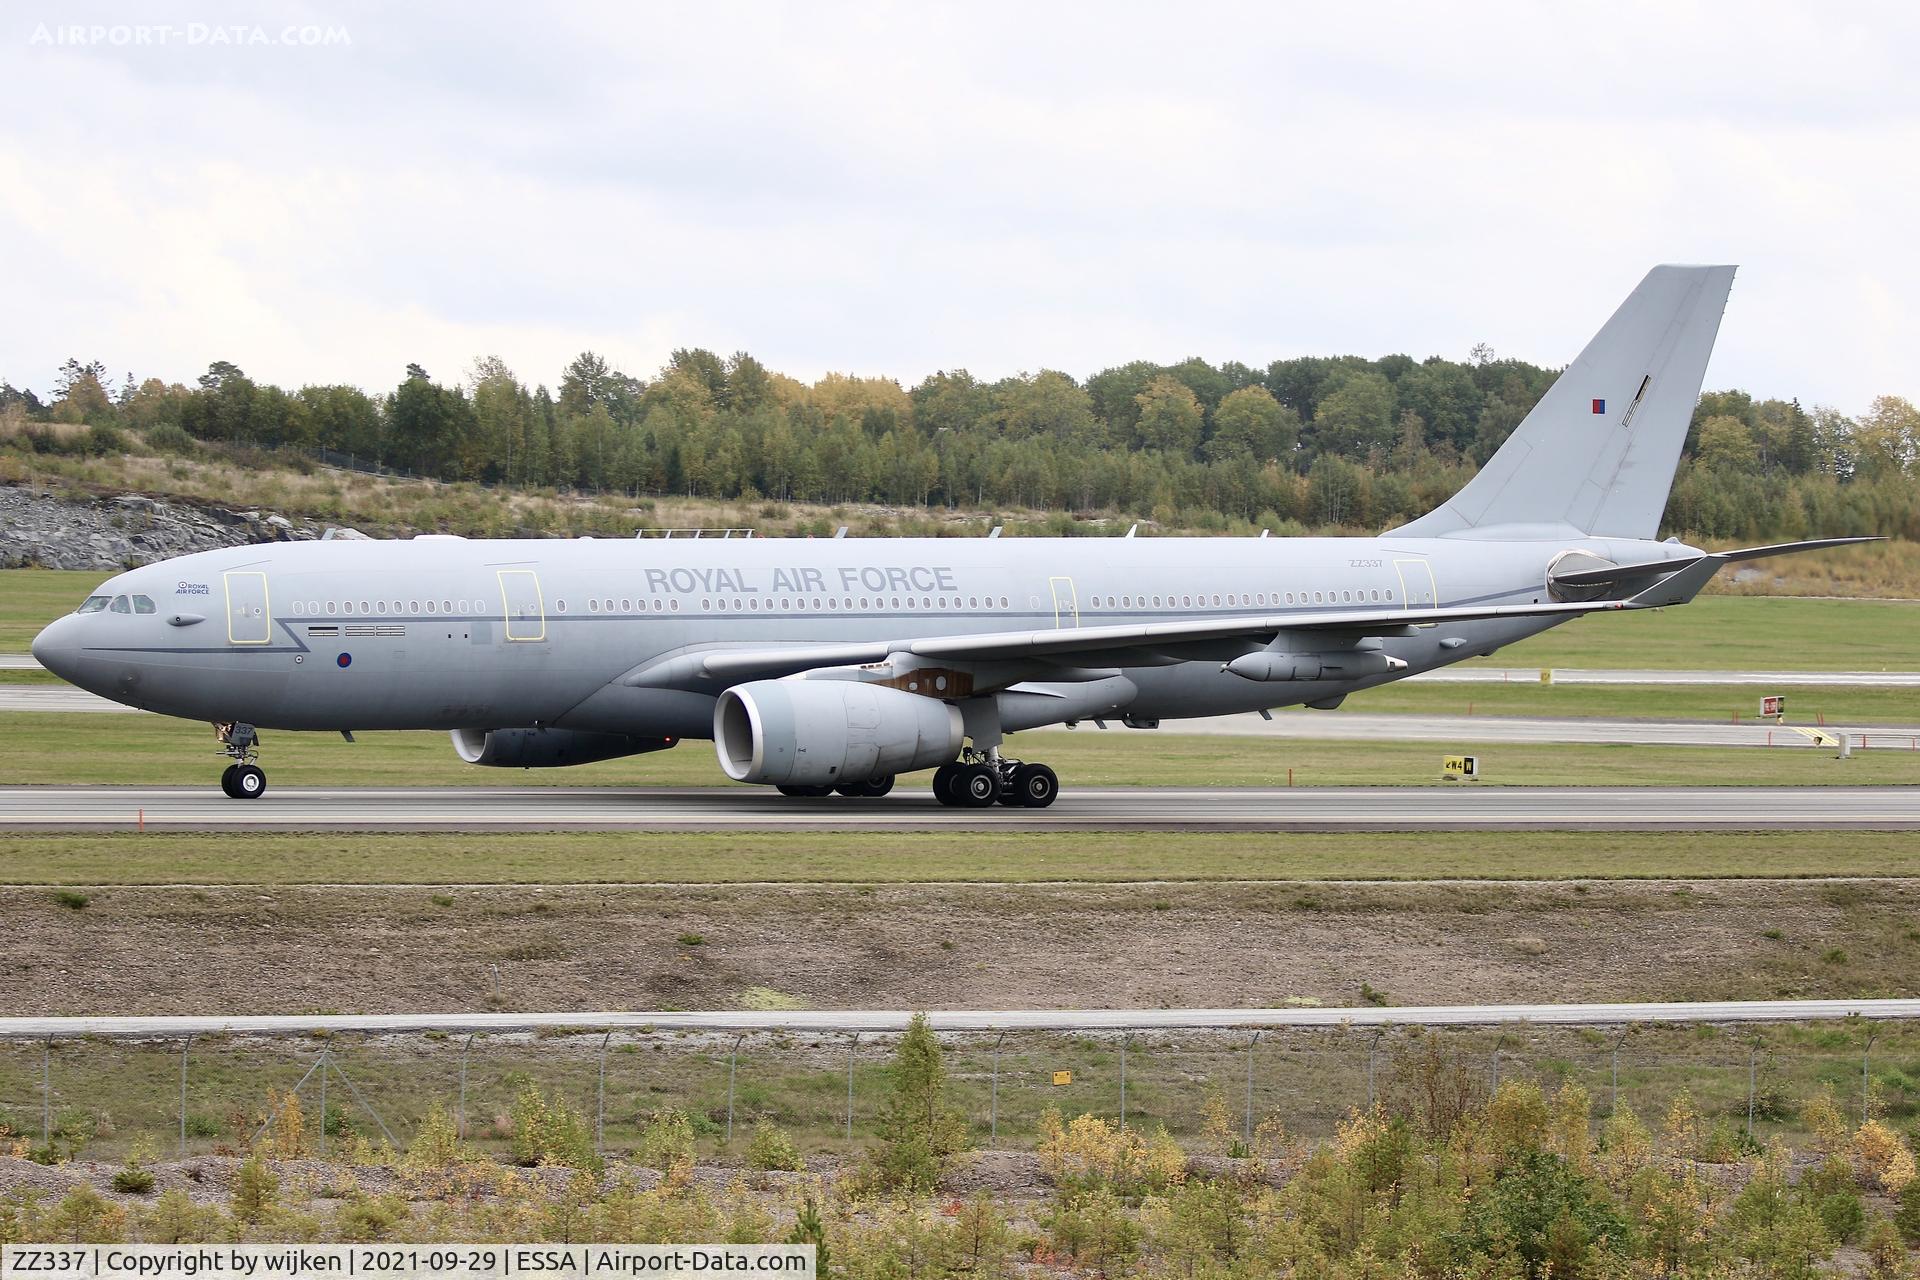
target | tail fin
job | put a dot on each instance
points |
(1597, 454)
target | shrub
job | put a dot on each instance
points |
(169, 438)
(133, 1178)
(771, 1147)
(71, 899)
(666, 1141)
(920, 1133)
(548, 1131)
(1907, 1216)
(255, 1190)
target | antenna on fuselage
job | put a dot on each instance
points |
(1133, 529)
(995, 532)
(841, 532)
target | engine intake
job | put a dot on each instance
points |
(548, 748)
(827, 732)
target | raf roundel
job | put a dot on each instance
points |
(344, 660)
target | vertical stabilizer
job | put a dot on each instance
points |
(1597, 454)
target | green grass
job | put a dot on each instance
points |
(80, 747)
(31, 598)
(1839, 705)
(96, 859)
(1734, 633)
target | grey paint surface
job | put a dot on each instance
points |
(1462, 806)
(885, 1020)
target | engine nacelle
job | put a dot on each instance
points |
(548, 748)
(812, 733)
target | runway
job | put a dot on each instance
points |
(1460, 807)
(884, 1021)
(1353, 726)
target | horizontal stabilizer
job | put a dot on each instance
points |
(1626, 573)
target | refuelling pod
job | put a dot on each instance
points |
(548, 748)
(1351, 664)
(813, 733)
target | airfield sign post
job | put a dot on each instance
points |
(1774, 707)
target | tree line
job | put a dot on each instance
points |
(1306, 442)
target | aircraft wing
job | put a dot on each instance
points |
(1071, 646)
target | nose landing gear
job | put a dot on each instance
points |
(978, 780)
(243, 779)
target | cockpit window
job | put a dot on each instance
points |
(94, 604)
(120, 605)
(143, 604)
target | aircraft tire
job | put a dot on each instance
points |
(805, 793)
(876, 787)
(943, 783)
(976, 786)
(249, 782)
(1035, 786)
(226, 781)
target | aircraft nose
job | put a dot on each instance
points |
(57, 648)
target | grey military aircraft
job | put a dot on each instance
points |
(834, 665)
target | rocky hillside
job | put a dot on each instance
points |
(109, 534)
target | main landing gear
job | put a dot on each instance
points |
(978, 780)
(243, 780)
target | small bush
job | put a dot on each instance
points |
(691, 939)
(169, 438)
(771, 1147)
(666, 1141)
(134, 1180)
(1907, 1216)
(1842, 1215)
(71, 900)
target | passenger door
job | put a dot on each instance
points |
(1417, 589)
(520, 598)
(249, 612)
(1066, 603)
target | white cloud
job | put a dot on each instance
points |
(1001, 187)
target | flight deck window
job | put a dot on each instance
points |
(120, 605)
(94, 604)
(142, 604)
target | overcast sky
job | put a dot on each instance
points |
(899, 189)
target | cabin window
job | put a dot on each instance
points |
(120, 605)
(363, 607)
(863, 602)
(658, 604)
(332, 608)
(346, 606)
(413, 606)
(94, 604)
(674, 605)
(705, 603)
(626, 606)
(559, 606)
(1003, 603)
(142, 604)
(593, 606)
(1389, 593)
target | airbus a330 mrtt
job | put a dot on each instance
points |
(831, 665)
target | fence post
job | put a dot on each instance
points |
(326, 1053)
(851, 1046)
(600, 1101)
(1124, 1039)
(46, 1094)
(1613, 1101)
(1753, 1059)
(1494, 1067)
(1250, 1046)
(733, 1068)
(993, 1112)
(184, 1046)
(1373, 1049)
(465, 1049)
(1866, 1086)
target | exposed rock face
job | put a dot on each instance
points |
(109, 534)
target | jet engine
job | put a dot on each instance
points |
(829, 732)
(548, 748)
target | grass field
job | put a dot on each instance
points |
(536, 858)
(79, 747)
(1809, 704)
(1734, 633)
